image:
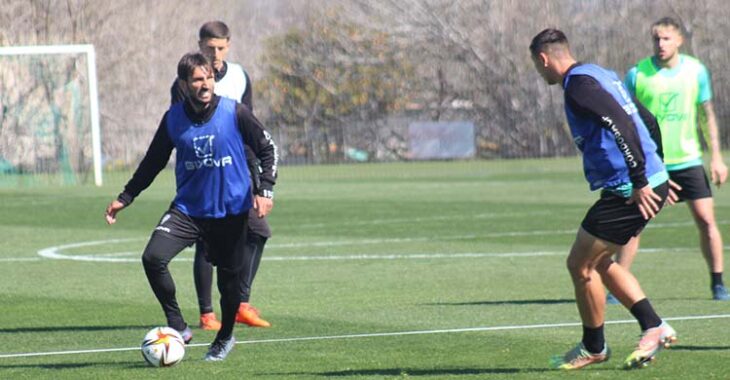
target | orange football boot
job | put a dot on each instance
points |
(249, 315)
(208, 321)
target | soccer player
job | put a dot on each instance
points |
(231, 81)
(676, 89)
(621, 158)
(213, 194)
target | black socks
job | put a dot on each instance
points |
(716, 279)
(593, 339)
(645, 314)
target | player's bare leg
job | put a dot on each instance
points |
(624, 257)
(590, 296)
(703, 212)
(627, 253)
(620, 282)
(586, 252)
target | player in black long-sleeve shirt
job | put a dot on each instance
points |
(213, 195)
(233, 82)
(620, 159)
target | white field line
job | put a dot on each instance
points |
(51, 253)
(13, 259)
(373, 335)
(119, 257)
(383, 256)
(440, 218)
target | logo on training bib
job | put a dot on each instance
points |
(203, 146)
(669, 102)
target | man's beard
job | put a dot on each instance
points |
(198, 102)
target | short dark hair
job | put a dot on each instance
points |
(668, 21)
(214, 29)
(547, 37)
(189, 62)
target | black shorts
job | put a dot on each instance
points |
(224, 238)
(694, 182)
(612, 220)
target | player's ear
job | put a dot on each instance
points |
(543, 59)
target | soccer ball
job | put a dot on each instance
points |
(163, 347)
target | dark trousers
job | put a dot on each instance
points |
(203, 270)
(224, 240)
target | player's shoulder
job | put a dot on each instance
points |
(645, 65)
(692, 63)
(235, 67)
(243, 110)
(690, 60)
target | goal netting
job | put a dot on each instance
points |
(49, 118)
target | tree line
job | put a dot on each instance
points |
(335, 78)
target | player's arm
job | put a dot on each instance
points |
(586, 94)
(156, 158)
(708, 123)
(266, 152)
(247, 97)
(254, 168)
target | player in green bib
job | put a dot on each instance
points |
(676, 89)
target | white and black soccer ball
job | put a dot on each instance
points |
(163, 347)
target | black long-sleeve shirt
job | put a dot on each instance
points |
(158, 153)
(587, 98)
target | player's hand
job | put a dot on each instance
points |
(648, 201)
(112, 210)
(718, 172)
(672, 197)
(262, 205)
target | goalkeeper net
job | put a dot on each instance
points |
(49, 120)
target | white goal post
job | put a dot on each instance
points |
(90, 53)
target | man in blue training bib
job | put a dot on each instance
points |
(621, 146)
(231, 81)
(213, 195)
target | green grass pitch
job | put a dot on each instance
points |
(448, 270)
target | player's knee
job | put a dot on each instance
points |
(228, 279)
(229, 287)
(707, 225)
(604, 264)
(579, 269)
(150, 261)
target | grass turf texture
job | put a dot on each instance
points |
(363, 249)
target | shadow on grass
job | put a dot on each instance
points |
(506, 302)
(63, 366)
(700, 348)
(71, 328)
(403, 372)
(50, 366)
